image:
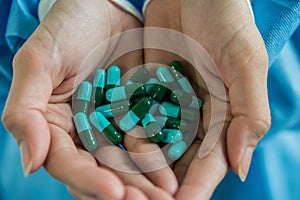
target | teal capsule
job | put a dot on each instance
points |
(83, 97)
(113, 77)
(114, 109)
(152, 128)
(183, 98)
(172, 135)
(171, 123)
(175, 111)
(140, 76)
(105, 127)
(135, 90)
(85, 132)
(134, 115)
(150, 84)
(176, 150)
(177, 71)
(99, 87)
(164, 75)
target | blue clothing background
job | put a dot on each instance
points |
(276, 162)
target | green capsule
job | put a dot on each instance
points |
(114, 109)
(171, 123)
(105, 127)
(175, 111)
(140, 76)
(134, 115)
(182, 98)
(152, 128)
(176, 150)
(83, 98)
(159, 92)
(85, 132)
(176, 69)
(135, 90)
(99, 87)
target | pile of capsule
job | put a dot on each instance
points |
(164, 106)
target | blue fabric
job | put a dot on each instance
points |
(274, 173)
(275, 168)
(276, 21)
(138, 4)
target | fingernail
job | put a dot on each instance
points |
(26, 158)
(244, 165)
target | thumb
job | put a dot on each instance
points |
(244, 70)
(23, 115)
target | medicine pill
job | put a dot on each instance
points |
(183, 98)
(152, 128)
(113, 77)
(105, 127)
(172, 135)
(135, 90)
(140, 76)
(83, 97)
(177, 71)
(85, 132)
(164, 75)
(171, 123)
(176, 150)
(99, 87)
(134, 115)
(175, 111)
(114, 109)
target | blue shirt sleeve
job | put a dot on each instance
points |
(276, 21)
(138, 4)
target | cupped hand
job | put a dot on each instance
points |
(227, 31)
(38, 109)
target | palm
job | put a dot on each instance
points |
(231, 39)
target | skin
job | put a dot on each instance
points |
(38, 111)
(228, 33)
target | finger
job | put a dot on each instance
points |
(150, 159)
(133, 193)
(25, 107)
(79, 195)
(183, 163)
(72, 165)
(118, 161)
(245, 74)
(205, 174)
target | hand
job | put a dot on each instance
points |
(38, 110)
(228, 33)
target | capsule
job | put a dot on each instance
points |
(171, 135)
(83, 97)
(164, 75)
(134, 115)
(176, 150)
(183, 98)
(113, 77)
(140, 76)
(99, 87)
(175, 111)
(135, 90)
(152, 128)
(85, 132)
(171, 123)
(105, 127)
(150, 84)
(178, 73)
(114, 109)
(159, 92)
